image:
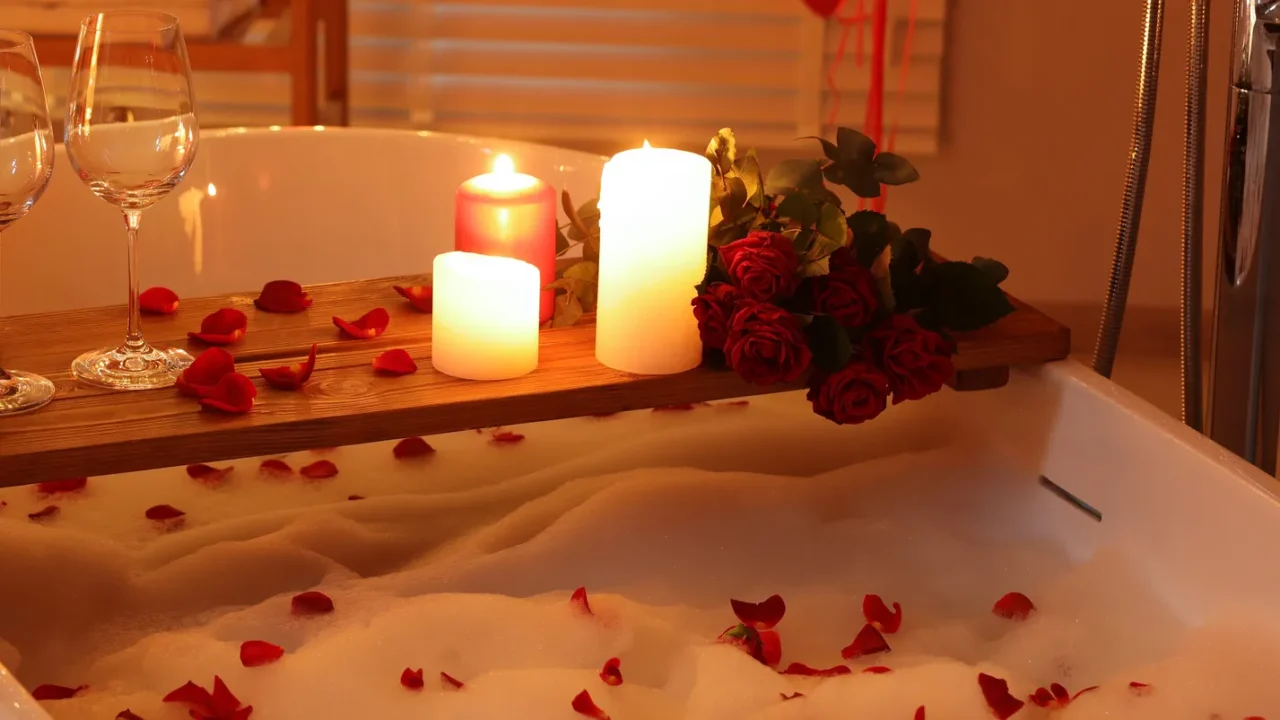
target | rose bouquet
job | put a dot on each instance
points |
(798, 289)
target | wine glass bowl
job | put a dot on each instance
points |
(26, 165)
(131, 135)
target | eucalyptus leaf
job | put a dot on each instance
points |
(854, 147)
(734, 199)
(792, 176)
(994, 269)
(831, 224)
(747, 168)
(722, 150)
(563, 245)
(591, 248)
(803, 240)
(585, 221)
(893, 169)
(799, 209)
(822, 247)
(567, 310)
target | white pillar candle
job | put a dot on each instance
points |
(654, 213)
(484, 318)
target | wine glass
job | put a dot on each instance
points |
(26, 164)
(131, 136)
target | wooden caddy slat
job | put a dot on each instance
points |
(90, 431)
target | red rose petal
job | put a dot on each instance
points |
(762, 615)
(192, 694)
(282, 296)
(919, 713)
(395, 362)
(57, 487)
(450, 681)
(254, 653)
(770, 647)
(222, 327)
(234, 394)
(1014, 606)
(355, 497)
(312, 602)
(878, 614)
(996, 692)
(578, 601)
(223, 701)
(1140, 688)
(505, 437)
(209, 475)
(275, 468)
(796, 668)
(877, 670)
(48, 512)
(202, 375)
(736, 403)
(163, 512)
(158, 301)
(584, 705)
(411, 679)
(291, 377)
(868, 642)
(57, 692)
(128, 714)
(683, 407)
(792, 696)
(319, 470)
(417, 295)
(413, 447)
(611, 673)
(1091, 688)
(370, 325)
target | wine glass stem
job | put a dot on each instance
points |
(133, 341)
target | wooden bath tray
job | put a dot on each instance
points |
(90, 431)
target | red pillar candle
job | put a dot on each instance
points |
(513, 215)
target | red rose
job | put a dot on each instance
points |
(763, 265)
(856, 393)
(850, 295)
(766, 344)
(917, 361)
(713, 309)
(842, 258)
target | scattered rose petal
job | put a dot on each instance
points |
(584, 705)
(222, 327)
(578, 601)
(449, 681)
(282, 296)
(762, 615)
(877, 670)
(158, 301)
(202, 375)
(59, 487)
(3, 504)
(411, 679)
(368, 326)
(319, 470)
(234, 394)
(792, 696)
(208, 475)
(221, 704)
(919, 713)
(412, 447)
(878, 614)
(996, 692)
(355, 497)
(1082, 691)
(417, 295)
(1014, 606)
(128, 714)
(506, 437)
(275, 468)
(682, 407)
(395, 362)
(796, 668)
(48, 512)
(735, 403)
(291, 377)
(1140, 688)
(611, 673)
(57, 692)
(163, 512)
(254, 653)
(868, 642)
(312, 602)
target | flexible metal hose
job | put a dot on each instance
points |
(1135, 183)
(1193, 213)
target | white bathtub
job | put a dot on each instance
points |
(1203, 524)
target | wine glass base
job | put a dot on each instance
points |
(121, 369)
(24, 392)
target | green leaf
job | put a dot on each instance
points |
(799, 209)
(733, 198)
(892, 169)
(585, 221)
(962, 297)
(829, 343)
(828, 148)
(747, 168)
(858, 177)
(831, 225)
(854, 146)
(994, 269)
(722, 150)
(822, 247)
(583, 276)
(563, 245)
(591, 248)
(793, 176)
(567, 310)
(870, 235)
(802, 240)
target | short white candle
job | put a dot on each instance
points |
(484, 316)
(654, 213)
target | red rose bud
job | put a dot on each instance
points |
(291, 377)
(996, 692)
(282, 296)
(202, 375)
(878, 614)
(796, 668)
(854, 394)
(713, 309)
(584, 705)
(1013, 606)
(418, 295)
(611, 673)
(221, 327)
(158, 301)
(394, 362)
(762, 615)
(255, 653)
(770, 647)
(450, 682)
(868, 642)
(411, 679)
(368, 326)
(312, 602)
(57, 692)
(234, 394)
(849, 295)
(917, 361)
(766, 344)
(763, 265)
(748, 640)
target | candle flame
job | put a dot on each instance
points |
(647, 145)
(502, 165)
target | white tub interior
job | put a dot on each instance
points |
(463, 562)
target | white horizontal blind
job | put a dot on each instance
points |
(608, 71)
